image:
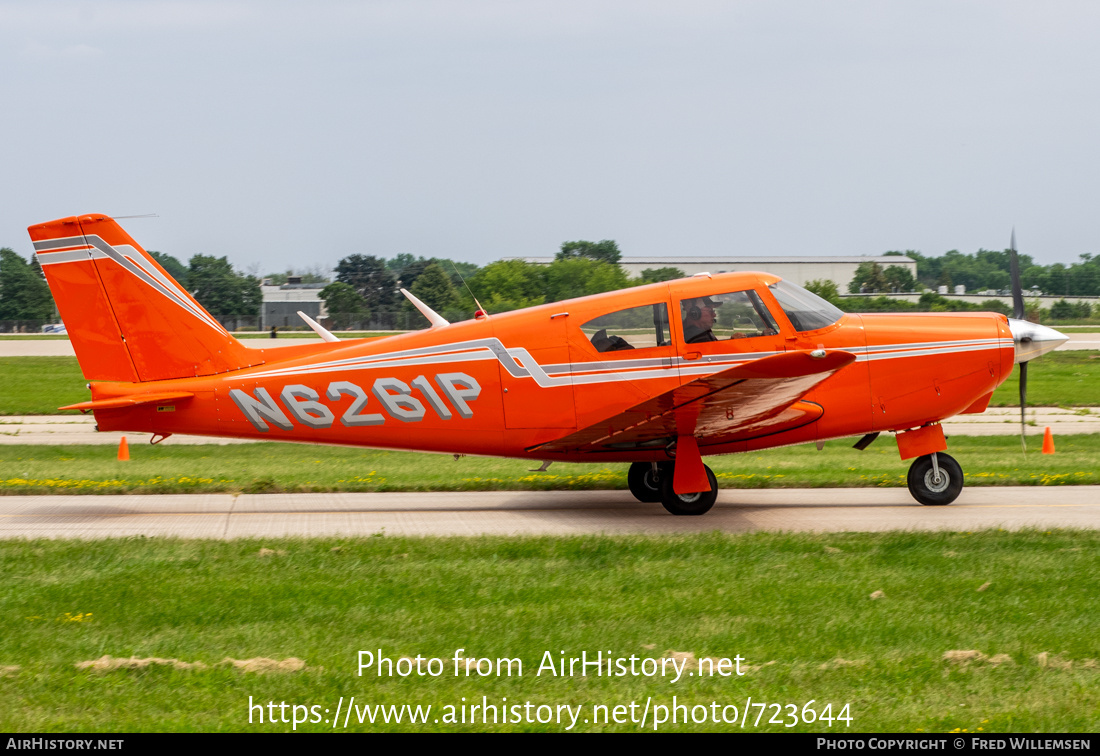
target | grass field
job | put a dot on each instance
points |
(1057, 379)
(270, 468)
(39, 385)
(797, 608)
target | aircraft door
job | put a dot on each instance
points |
(536, 385)
(716, 331)
(621, 355)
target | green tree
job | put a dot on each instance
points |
(369, 276)
(656, 275)
(172, 266)
(898, 278)
(314, 275)
(433, 287)
(825, 289)
(605, 250)
(221, 290)
(460, 272)
(24, 294)
(344, 304)
(868, 278)
(580, 276)
(509, 285)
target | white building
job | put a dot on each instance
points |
(798, 268)
(282, 303)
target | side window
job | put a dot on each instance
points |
(635, 328)
(730, 315)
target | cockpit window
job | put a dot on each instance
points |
(807, 311)
(728, 315)
(636, 328)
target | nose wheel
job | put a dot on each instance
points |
(935, 479)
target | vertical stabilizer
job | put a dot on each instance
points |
(128, 320)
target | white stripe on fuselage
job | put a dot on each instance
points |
(520, 364)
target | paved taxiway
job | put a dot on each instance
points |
(530, 513)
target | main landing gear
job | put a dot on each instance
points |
(935, 479)
(651, 482)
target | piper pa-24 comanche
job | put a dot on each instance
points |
(657, 376)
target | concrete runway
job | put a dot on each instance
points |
(509, 513)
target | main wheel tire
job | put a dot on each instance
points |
(645, 487)
(688, 504)
(927, 489)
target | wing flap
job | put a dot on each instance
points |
(759, 397)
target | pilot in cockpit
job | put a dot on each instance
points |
(699, 317)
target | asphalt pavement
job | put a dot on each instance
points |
(533, 513)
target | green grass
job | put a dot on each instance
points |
(1057, 379)
(33, 337)
(269, 468)
(796, 608)
(39, 385)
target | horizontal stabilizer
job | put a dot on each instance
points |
(129, 401)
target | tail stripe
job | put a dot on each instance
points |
(115, 298)
(66, 255)
(132, 262)
(69, 241)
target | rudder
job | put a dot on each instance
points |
(128, 320)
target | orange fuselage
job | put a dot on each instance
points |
(505, 384)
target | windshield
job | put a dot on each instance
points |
(807, 311)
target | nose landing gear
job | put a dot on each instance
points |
(935, 479)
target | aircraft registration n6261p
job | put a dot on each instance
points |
(657, 376)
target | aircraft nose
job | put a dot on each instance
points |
(1033, 340)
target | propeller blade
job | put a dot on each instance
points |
(1017, 291)
(1023, 404)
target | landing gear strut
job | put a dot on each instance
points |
(651, 482)
(935, 479)
(691, 503)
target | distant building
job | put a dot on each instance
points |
(282, 303)
(796, 268)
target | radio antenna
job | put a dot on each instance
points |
(463, 280)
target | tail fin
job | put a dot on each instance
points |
(128, 320)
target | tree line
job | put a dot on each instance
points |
(981, 271)
(365, 285)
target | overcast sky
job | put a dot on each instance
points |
(292, 134)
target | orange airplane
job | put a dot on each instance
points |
(657, 376)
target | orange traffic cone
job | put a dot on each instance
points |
(123, 450)
(1048, 442)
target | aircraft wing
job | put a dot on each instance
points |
(746, 401)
